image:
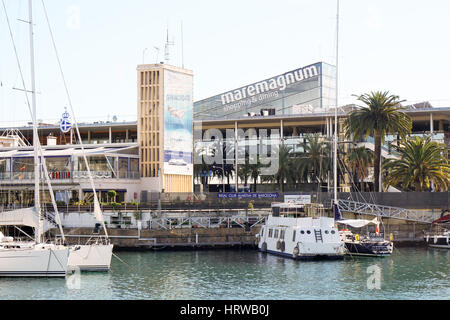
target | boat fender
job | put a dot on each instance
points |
(391, 237)
(295, 252)
(278, 245)
(282, 246)
(264, 247)
(357, 237)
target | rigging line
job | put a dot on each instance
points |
(24, 87)
(358, 191)
(17, 57)
(128, 265)
(96, 201)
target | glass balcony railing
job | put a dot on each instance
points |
(67, 175)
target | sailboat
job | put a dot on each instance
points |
(371, 244)
(96, 254)
(292, 231)
(368, 245)
(31, 258)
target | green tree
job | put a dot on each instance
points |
(315, 160)
(245, 171)
(255, 170)
(284, 166)
(421, 163)
(381, 114)
(359, 160)
(111, 195)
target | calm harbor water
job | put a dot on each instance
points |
(410, 273)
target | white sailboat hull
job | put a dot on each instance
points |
(91, 257)
(34, 261)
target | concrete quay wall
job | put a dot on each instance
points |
(187, 238)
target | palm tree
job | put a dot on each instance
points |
(315, 160)
(245, 171)
(359, 160)
(382, 114)
(284, 166)
(422, 163)
(255, 170)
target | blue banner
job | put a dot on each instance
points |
(247, 195)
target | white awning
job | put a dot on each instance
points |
(358, 223)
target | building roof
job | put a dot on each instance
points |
(72, 150)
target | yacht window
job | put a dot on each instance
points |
(276, 233)
(332, 232)
(270, 233)
(302, 232)
(308, 232)
(262, 232)
(326, 231)
(282, 232)
(293, 235)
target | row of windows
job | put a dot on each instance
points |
(281, 233)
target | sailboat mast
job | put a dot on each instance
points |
(335, 110)
(37, 204)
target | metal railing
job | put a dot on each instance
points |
(387, 212)
(66, 175)
(205, 222)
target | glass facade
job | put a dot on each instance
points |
(309, 89)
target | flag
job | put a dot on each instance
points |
(337, 212)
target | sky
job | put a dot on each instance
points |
(400, 46)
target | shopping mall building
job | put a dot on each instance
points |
(157, 152)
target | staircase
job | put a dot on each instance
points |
(318, 235)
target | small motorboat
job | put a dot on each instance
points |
(439, 236)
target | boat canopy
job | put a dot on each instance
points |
(20, 217)
(358, 223)
(443, 219)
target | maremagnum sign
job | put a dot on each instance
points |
(269, 88)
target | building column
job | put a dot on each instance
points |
(431, 126)
(89, 136)
(110, 135)
(281, 132)
(126, 135)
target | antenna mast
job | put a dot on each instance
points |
(166, 47)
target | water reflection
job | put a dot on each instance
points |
(410, 273)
